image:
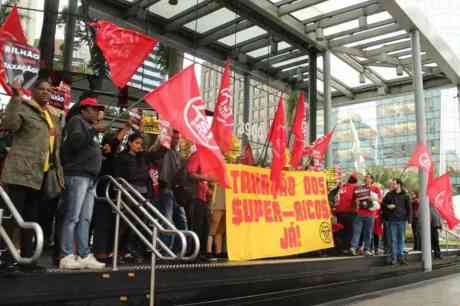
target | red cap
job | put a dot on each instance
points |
(92, 102)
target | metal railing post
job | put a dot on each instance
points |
(117, 232)
(153, 267)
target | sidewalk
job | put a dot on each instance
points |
(440, 292)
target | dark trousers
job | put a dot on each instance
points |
(376, 243)
(416, 235)
(103, 228)
(435, 242)
(345, 235)
(26, 201)
(199, 222)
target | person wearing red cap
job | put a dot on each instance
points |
(81, 160)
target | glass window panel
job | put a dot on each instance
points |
(323, 8)
(379, 37)
(345, 73)
(166, 10)
(388, 73)
(378, 17)
(242, 35)
(291, 61)
(259, 52)
(341, 27)
(212, 20)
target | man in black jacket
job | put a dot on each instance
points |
(81, 160)
(396, 210)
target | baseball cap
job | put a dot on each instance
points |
(92, 102)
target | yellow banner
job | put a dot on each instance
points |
(261, 225)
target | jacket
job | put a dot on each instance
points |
(133, 168)
(80, 153)
(403, 209)
(24, 164)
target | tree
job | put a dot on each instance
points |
(408, 176)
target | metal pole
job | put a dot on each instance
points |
(312, 92)
(70, 35)
(153, 265)
(327, 102)
(246, 107)
(117, 232)
(421, 138)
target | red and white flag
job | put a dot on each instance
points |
(440, 195)
(10, 31)
(421, 158)
(278, 139)
(124, 50)
(298, 132)
(318, 149)
(222, 123)
(179, 101)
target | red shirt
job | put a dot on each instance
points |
(345, 204)
(193, 167)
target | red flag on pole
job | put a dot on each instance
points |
(179, 101)
(222, 123)
(421, 158)
(298, 132)
(248, 157)
(318, 149)
(124, 50)
(12, 28)
(440, 195)
(278, 139)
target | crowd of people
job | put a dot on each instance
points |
(51, 169)
(373, 219)
(50, 173)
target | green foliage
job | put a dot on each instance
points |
(6, 8)
(291, 104)
(408, 176)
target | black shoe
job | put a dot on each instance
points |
(31, 268)
(402, 261)
(437, 256)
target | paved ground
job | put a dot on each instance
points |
(440, 292)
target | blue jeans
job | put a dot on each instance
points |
(78, 205)
(398, 234)
(365, 226)
(173, 212)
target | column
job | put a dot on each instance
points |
(246, 108)
(327, 102)
(312, 92)
(421, 138)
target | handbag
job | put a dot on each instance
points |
(51, 186)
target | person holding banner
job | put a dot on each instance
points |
(32, 167)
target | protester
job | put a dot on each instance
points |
(345, 212)
(436, 225)
(32, 167)
(217, 224)
(363, 223)
(415, 225)
(171, 174)
(397, 211)
(199, 210)
(103, 219)
(81, 160)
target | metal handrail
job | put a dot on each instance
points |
(149, 232)
(25, 225)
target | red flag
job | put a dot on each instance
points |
(278, 139)
(248, 157)
(297, 131)
(421, 158)
(318, 149)
(12, 28)
(440, 195)
(124, 50)
(179, 101)
(222, 123)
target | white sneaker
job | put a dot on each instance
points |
(90, 262)
(70, 262)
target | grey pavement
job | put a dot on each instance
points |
(442, 291)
